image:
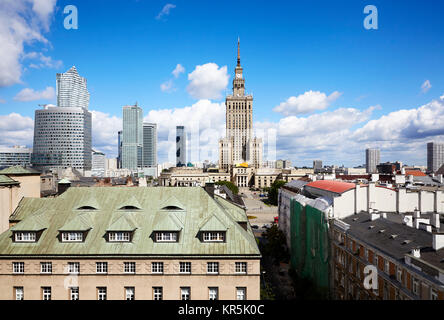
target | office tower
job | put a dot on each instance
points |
(239, 145)
(119, 149)
(14, 156)
(62, 133)
(181, 146)
(132, 137)
(317, 164)
(149, 158)
(435, 156)
(72, 90)
(98, 165)
(372, 159)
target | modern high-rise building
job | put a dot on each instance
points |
(132, 142)
(62, 133)
(435, 156)
(372, 159)
(181, 146)
(239, 145)
(72, 90)
(119, 149)
(149, 155)
(317, 165)
(14, 156)
(98, 166)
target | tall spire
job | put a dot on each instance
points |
(238, 52)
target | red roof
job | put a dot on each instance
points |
(332, 185)
(415, 173)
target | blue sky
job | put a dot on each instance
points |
(288, 48)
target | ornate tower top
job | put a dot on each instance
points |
(238, 52)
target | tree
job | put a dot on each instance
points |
(229, 185)
(275, 245)
(274, 192)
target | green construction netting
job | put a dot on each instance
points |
(309, 243)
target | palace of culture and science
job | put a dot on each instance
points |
(239, 146)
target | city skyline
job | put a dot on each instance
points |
(323, 106)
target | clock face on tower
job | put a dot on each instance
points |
(238, 76)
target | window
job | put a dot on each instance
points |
(72, 236)
(185, 267)
(101, 267)
(129, 267)
(129, 293)
(166, 237)
(74, 293)
(157, 267)
(241, 267)
(119, 236)
(213, 267)
(214, 236)
(73, 267)
(18, 267)
(19, 293)
(399, 274)
(45, 267)
(366, 254)
(185, 293)
(415, 286)
(241, 293)
(157, 293)
(387, 267)
(46, 293)
(25, 237)
(101, 293)
(213, 293)
(433, 294)
(376, 261)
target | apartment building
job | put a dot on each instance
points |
(129, 243)
(408, 260)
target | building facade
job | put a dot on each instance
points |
(132, 137)
(98, 164)
(435, 156)
(72, 90)
(181, 146)
(372, 159)
(149, 158)
(62, 138)
(119, 149)
(239, 145)
(15, 156)
(130, 243)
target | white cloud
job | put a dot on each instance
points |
(207, 81)
(178, 70)
(104, 131)
(165, 10)
(44, 61)
(167, 86)
(16, 129)
(305, 103)
(22, 22)
(426, 86)
(28, 94)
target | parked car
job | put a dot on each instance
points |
(255, 226)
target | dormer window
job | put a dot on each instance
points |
(167, 236)
(129, 208)
(71, 236)
(213, 236)
(25, 236)
(86, 208)
(119, 236)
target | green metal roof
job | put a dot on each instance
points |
(18, 170)
(7, 181)
(157, 209)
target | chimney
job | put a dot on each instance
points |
(435, 220)
(416, 253)
(209, 188)
(62, 186)
(438, 241)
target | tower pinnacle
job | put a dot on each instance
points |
(238, 52)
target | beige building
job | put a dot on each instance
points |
(15, 183)
(264, 178)
(190, 177)
(129, 243)
(239, 145)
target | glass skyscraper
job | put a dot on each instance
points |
(132, 137)
(62, 133)
(149, 158)
(181, 146)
